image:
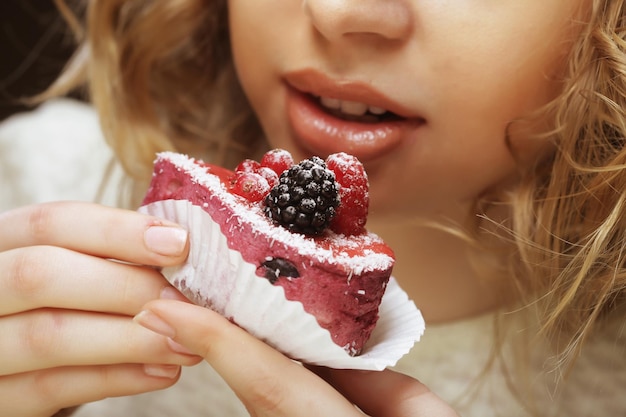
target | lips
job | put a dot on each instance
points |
(328, 116)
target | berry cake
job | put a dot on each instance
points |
(297, 226)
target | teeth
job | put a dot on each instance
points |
(353, 108)
(331, 103)
(376, 110)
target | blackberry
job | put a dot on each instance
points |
(305, 199)
(279, 267)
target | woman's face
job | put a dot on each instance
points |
(421, 91)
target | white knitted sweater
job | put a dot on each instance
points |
(57, 153)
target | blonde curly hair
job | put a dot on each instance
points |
(569, 212)
(161, 77)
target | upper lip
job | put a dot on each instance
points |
(317, 84)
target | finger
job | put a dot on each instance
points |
(50, 338)
(51, 390)
(387, 393)
(48, 276)
(266, 381)
(98, 230)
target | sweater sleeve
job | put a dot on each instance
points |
(55, 152)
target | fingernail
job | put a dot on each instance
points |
(166, 240)
(151, 321)
(169, 293)
(162, 371)
(178, 348)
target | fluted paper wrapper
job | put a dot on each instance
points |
(217, 277)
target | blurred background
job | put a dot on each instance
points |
(34, 46)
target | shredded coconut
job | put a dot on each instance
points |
(362, 259)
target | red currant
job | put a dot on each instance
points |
(269, 174)
(250, 185)
(248, 165)
(278, 160)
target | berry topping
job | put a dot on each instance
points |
(305, 199)
(353, 193)
(278, 160)
(250, 185)
(269, 175)
(275, 268)
(248, 165)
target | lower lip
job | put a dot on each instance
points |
(323, 134)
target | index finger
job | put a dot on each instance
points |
(95, 230)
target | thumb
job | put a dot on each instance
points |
(206, 333)
(265, 380)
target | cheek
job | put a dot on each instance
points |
(478, 110)
(493, 98)
(442, 176)
(501, 71)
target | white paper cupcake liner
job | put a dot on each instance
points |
(217, 277)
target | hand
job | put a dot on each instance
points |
(71, 279)
(270, 384)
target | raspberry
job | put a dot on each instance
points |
(278, 160)
(353, 194)
(250, 185)
(305, 199)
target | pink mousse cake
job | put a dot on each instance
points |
(301, 225)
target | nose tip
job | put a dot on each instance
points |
(336, 19)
